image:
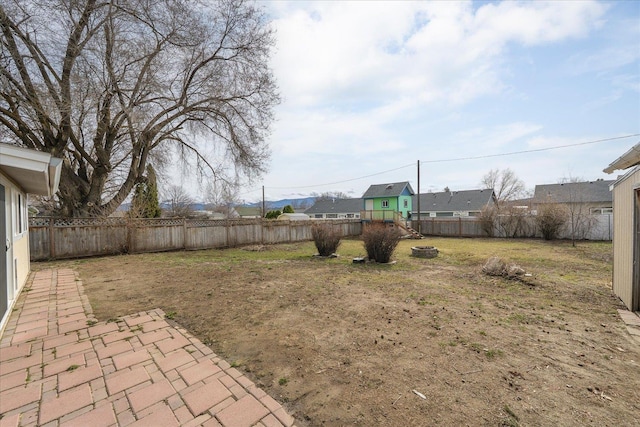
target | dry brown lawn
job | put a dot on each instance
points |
(345, 344)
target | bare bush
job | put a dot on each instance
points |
(512, 221)
(488, 217)
(326, 238)
(550, 220)
(380, 241)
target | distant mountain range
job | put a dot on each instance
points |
(301, 203)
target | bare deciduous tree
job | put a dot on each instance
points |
(222, 197)
(580, 221)
(329, 195)
(505, 183)
(179, 203)
(111, 86)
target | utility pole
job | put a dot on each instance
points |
(418, 196)
(263, 212)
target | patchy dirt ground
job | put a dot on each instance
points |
(346, 344)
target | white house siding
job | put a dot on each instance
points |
(623, 242)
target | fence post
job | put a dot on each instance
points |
(184, 232)
(459, 226)
(226, 228)
(129, 225)
(52, 245)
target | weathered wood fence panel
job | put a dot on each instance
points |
(60, 238)
(303, 231)
(208, 234)
(245, 232)
(601, 228)
(458, 227)
(274, 232)
(156, 235)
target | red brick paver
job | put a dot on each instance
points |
(61, 367)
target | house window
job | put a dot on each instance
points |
(385, 203)
(406, 203)
(21, 217)
(349, 215)
(444, 213)
(332, 216)
(318, 216)
(600, 211)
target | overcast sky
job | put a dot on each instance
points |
(369, 87)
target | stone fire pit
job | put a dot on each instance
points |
(424, 251)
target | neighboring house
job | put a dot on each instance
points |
(453, 203)
(383, 201)
(294, 217)
(626, 228)
(22, 171)
(594, 197)
(248, 211)
(210, 214)
(335, 209)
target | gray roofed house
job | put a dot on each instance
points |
(248, 211)
(387, 202)
(387, 190)
(336, 209)
(594, 195)
(453, 203)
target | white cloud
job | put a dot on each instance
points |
(370, 86)
(346, 52)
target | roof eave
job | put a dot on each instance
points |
(35, 172)
(627, 160)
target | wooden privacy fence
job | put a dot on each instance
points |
(601, 228)
(60, 238)
(451, 227)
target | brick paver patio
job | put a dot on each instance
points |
(60, 367)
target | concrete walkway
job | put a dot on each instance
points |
(632, 322)
(61, 367)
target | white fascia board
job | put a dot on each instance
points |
(628, 159)
(35, 171)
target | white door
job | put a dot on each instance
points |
(368, 205)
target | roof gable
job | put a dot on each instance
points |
(389, 190)
(453, 201)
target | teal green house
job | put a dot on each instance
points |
(388, 202)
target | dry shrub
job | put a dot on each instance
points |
(326, 238)
(488, 218)
(551, 219)
(380, 241)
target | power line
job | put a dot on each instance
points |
(535, 150)
(340, 182)
(512, 153)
